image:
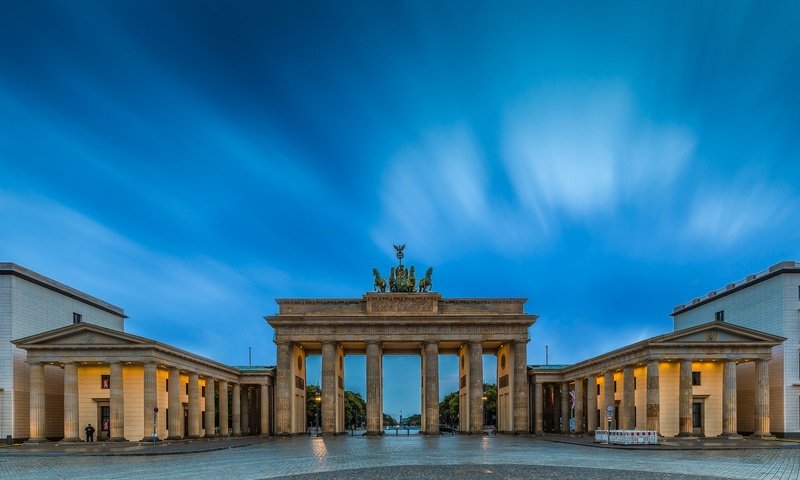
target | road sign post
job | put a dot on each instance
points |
(155, 435)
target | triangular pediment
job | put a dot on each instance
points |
(721, 332)
(81, 334)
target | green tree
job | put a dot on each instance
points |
(355, 409)
(388, 420)
(413, 420)
(448, 410)
(490, 404)
(313, 405)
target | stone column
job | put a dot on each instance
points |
(431, 387)
(628, 419)
(520, 392)
(374, 388)
(244, 408)
(476, 415)
(175, 426)
(729, 428)
(223, 408)
(565, 407)
(653, 400)
(237, 410)
(265, 410)
(117, 433)
(209, 412)
(71, 410)
(591, 404)
(685, 399)
(328, 388)
(538, 401)
(608, 396)
(762, 399)
(283, 389)
(37, 406)
(150, 399)
(194, 406)
(580, 396)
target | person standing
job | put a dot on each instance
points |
(89, 430)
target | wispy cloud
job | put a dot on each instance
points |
(723, 214)
(583, 149)
(437, 193)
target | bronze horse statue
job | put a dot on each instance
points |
(426, 283)
(380, 283)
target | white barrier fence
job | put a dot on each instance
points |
(626, 437)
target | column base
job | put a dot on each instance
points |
(175, 437)
(35, 441)
(71, 440)
(730, 436)
(193, 437)
(686, 435)
(117, 439)
(375, 433)
(763, 436)
(150, 439)
(211, 435)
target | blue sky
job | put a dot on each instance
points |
(193, 161)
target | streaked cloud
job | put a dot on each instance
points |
(582, 149)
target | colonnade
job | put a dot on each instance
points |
(587, 413)
(288, 379)
(250, 403)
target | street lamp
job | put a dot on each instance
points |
(318, 400)
(484, 411)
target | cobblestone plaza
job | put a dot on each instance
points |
(414, 456)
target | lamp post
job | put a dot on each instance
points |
(318, 400)
(484, 411)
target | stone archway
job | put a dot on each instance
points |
(410, 323)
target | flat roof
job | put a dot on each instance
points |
(8, 268)
(779, 268)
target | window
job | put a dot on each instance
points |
(167, 383)
(76, 317)
(598, 389)
(187, 388)
(105, 382)
(203, 391)
(720, 316)
(615, 386)
(695, 378)
(634, 383)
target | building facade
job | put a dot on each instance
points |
(31, 303)
(768, 301)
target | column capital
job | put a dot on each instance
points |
(430, 342)
(474, 342)
(373, 342)
(329, 342)
(520, 340)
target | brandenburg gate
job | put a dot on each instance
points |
(408, 319)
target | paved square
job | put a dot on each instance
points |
(511, 457)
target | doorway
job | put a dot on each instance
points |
(103, 421)
(697, 418)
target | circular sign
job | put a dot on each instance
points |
(610, 408)
(155, 410)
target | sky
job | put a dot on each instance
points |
(193, 161)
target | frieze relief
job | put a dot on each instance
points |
(402, 304)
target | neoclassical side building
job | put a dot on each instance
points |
(679, 384)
